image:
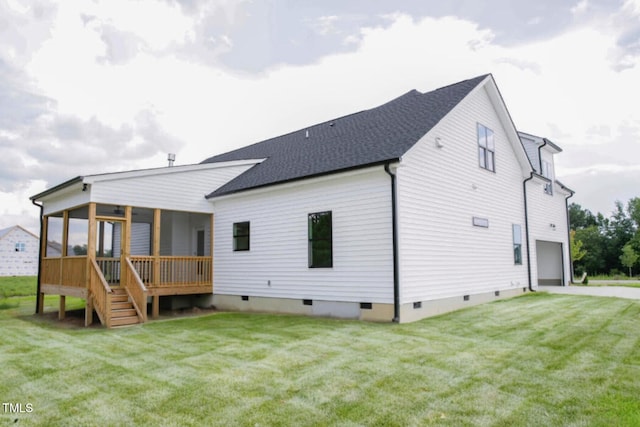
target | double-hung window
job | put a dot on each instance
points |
(517, 244)
(486, 148)
(241, 236)
(320, 240)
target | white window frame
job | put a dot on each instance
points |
(486, 148)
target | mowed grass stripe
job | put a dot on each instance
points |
(534, 360)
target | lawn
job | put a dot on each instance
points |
(534, 360)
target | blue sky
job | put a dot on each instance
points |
(107, 85)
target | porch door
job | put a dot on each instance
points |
(109, 247)
(199, 242)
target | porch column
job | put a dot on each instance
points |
(91, 256)
(155, 304)
(211, 248)
(126, 242)
(65, 243)
(61, 312)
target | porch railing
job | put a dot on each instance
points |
(136, 290)
(110, 268)
(100, 293)
(66, 271)
(174, 270)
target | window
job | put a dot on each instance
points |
(320, 240)
(20, 247)
(546, 172)
(486, 148)
(517, 244)
(241, 236)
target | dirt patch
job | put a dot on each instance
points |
(75, 318)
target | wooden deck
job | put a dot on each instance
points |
(140, 277)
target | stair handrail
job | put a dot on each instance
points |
(100, 295)
(137, 290)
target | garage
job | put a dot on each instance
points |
(550, 265)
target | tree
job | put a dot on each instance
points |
(594, 242)
(577, 253)
(580, 218)
(629, 257)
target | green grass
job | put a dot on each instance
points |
(540, 359)
(17, 286)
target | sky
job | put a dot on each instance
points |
(99, 86)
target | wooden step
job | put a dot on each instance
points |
(124, 312)
(118, 305)
(125, 321)
(118, 290)
(119, 298)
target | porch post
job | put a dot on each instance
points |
(211, 248)
(155, 304)
(61, 312)
(126, 242)
(65, 242)
(91, 255)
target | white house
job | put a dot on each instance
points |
(18, 252)
(428, 203)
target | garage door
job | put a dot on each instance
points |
(549, 263)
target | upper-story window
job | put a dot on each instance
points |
(486, 148)
(20, 247)
(547, 172)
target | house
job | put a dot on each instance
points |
(428, 203)
(18, 252)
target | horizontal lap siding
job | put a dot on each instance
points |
(362, 243)
(544, 210)
(441, 253)
(182, 191)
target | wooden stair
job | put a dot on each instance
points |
(122, 311)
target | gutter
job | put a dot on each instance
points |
(394, 216)
(38, 295)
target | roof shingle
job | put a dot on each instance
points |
(358, 140)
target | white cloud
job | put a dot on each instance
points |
(568, 87)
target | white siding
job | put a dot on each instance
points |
(181, 191)
(548, 223)
(66, 199)
(440, 190)
(277, 263)
(14, 263)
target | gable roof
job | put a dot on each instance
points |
(367, 138)
(532, 144)
(5, 231)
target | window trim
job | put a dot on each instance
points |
(517, 243)
(487, 150)
(237, 236)
(312, 261)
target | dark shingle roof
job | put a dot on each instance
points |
(362, 139)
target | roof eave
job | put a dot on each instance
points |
(59, 187)
(213, 195)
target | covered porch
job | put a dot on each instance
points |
(120, 258)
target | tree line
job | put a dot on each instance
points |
(606, 245)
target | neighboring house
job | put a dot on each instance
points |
(18, 252)
(425, 204)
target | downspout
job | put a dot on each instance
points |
(38, 296)
(526, 230)
(566, 203)
(394, 227)
(526, 212)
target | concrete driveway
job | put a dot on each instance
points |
(599, 291)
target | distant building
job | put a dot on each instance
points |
(18, 252)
